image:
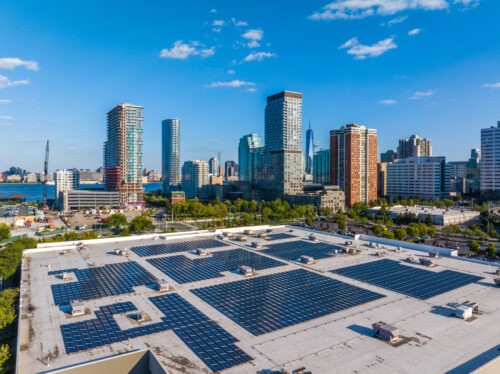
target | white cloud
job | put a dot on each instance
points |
(417, 95)
(394, 21)
(70, 149)
(6, 82)
(5, 101)
(233, 83)
(413, 32)
(181, 50)
(251, 89)
(10, 63)
(467, 3)
(492, 85)
(355, 9)
(213, 11)
(231, 72)
(259, 56)
(388, 102)
(362, 51)
(239, 22)
(254, 36)
(218, 22)
(6, 118)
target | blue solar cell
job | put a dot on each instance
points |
(292, 250)
(283, 299)
(199, 333)
(176, 246)
(279, 236)
(94, 283)
(184, 270)
(408, 280)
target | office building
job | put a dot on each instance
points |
(321, 167)
(280, 166)
(388, 156)
(248, 149)
(382, 178)
(474, 171)
(84, 199)
(230, 170)
(414, 146)
(320, 197)
(423, 177)
(171, 153)
(123, 154)
(194, 177)
(353, 163)
(490, 160)
(88, 176)
(309, 150)
(213, 166)
(64, 180)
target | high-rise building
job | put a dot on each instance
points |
(423, 177)
(213, 166)
(457, 169)
(388, 156)
(309, 150)
(64, 181)
(248, 150)
(123, 153)
(490, 160)
(474, 171)
(230, 170)
(171, 154)
(321, 167)
(280, 166)
(382, 178)
(414, 146)
(353, 162)
(194, 177)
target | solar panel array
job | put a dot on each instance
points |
(279, 235)
(177, 246)
(294, 249)
(271, 302)
(184, 270)
(107, 280)
(212, 344)
(408, 280)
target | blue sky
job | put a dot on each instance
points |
(430, 67)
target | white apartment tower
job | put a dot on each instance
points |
(490, 159)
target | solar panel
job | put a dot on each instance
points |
(279, 235)
(272, 302)
(211, 343)
(94, 283)
(184, 270)
(408, 280)
(176, 246)
(293, 250)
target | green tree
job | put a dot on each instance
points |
(491, 249)
(7, 307)
(4, 231)
(116, 220)
(413, 230)
(141, 224)
(377, 230)
(4, 357)
(474, 246)
(342, 224)
(399, 233)
(388, 234)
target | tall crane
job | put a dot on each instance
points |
(46, 174)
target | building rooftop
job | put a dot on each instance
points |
(287, 316)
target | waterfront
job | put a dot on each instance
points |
(34, 191)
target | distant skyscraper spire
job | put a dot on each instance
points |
(309, 150)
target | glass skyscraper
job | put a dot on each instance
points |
(281, 170)
(171, 154)
(123, 153)
(247, 157)
(309, 150)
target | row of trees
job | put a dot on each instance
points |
(119, 223)
(10, 261)
(490, 251)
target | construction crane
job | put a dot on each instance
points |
(46, 174)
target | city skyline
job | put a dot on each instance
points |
(58, 78)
